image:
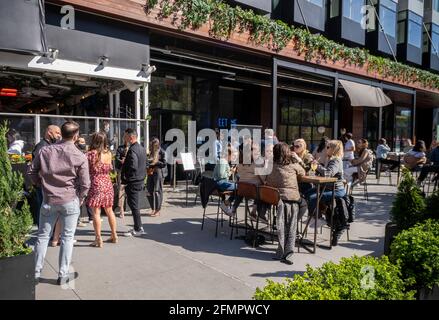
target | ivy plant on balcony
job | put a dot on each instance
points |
(224, 20)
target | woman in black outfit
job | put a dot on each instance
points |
(154, 183)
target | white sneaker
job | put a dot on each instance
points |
(230, 212)
(224, 207)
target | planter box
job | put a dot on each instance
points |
(17, 278)
(391, 232)
(426, 294)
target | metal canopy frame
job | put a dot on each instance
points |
(276, 63)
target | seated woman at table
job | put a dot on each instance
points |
(246, 171)
(301, 154)
(284, 177)
(416, 157)
(221, 174)
(319, 153)
(361, 164)
(334, 169)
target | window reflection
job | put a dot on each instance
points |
(352, 9)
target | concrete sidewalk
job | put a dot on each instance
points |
(176, 260)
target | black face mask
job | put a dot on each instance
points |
(53, 140)
(82, 146)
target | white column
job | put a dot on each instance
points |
(37, 129)
(146, 112)
(117, 104)
(111, 106)
(137, 112)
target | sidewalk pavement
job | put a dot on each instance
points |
(176, 260)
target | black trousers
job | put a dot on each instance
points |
(154, 186)
(133, 191)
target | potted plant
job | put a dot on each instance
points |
(408, 208)
(17, 264)
(354, 278)
(416, 252)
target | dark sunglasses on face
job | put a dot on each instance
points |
(296, 147)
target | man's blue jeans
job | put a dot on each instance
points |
(68, 214)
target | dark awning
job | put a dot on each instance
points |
(362, 95)
(21, 26)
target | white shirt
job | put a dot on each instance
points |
(16, 147)
(349, 155)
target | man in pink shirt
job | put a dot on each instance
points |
(62, 172)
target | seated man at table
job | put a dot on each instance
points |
(284, 177)
(221, 174)
(333, 169)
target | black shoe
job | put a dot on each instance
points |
(288, 259)
(335, 237)
(66, 279)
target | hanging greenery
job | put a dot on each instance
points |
(224, 20)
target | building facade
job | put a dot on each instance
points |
(100, 72)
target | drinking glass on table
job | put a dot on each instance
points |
(314, 166)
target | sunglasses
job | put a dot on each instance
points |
(297, 147)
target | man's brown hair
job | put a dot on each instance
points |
(69, 129)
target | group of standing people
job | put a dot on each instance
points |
(68, 176)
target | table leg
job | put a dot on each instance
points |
(187, 188)
(332, 216)
(175, 174)
(316, 216)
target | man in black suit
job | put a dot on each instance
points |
(133, 176)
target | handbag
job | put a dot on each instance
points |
(150, 171)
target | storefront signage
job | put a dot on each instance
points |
(68, 20)
(225, 122)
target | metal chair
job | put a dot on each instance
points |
(270, 196)
(248, 191)
(221, 196)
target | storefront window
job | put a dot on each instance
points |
(403, 124)
(388, 17)
(304, 118)
(414, 36)
(352, 9)
(436, 5)
(334, 8)
(23, 128)
(317, 2)
(171, 91)
(435, 39)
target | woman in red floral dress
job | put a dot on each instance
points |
(101, 194)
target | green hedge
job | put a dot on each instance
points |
(354, 278)
(15, 224)
(409, 205)
(416, 251)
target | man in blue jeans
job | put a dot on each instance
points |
(62, 172)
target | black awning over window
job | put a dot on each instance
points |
(21, 26)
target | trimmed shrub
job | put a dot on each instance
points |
(409, 205)
(15, 216)
(416, 251)
(354, 278)
(432, 209)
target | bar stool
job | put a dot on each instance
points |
(221, 196)
(270, 196)
(248, 191)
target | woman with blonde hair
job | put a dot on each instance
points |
(101, 194)
(300, 152)
(154, 182)
(333, 169)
